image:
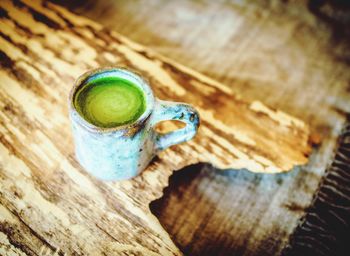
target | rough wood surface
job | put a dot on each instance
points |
(284, 52)
(48, 201)
(325, 229)
(294, 56)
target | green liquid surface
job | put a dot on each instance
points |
(110, 102)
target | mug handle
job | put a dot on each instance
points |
(166, 111)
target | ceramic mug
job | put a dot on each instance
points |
(122, 152)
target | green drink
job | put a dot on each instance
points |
(110, 102)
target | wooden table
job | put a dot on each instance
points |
(49, 204)
(293, 55)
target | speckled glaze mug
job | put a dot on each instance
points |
(122, 152)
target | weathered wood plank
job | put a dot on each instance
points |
(43, 48)
(17, 238)
(325, 229)
(294, 56)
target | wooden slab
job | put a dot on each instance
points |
(325, 228)
(48, 202)
(293, 55)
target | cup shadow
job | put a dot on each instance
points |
(208, 211)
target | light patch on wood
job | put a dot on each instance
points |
(31, 195)
(132, 249)
(37, 5)
(33, 106)
(57, 64)
(75, 19)
(152, 67)
(13, 52)
(279, 116)
(110, 57)
(5, 215)
(202, 78)
(25, 19)
(83, 183)
(34, 73)
(205, 89)
(84, 54)
(208, 115)
(10, 161)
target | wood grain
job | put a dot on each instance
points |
(282, 52)
(325, 229)
(292, 55)
(44, 191)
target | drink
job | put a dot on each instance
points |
(114, 114)
(110, 102)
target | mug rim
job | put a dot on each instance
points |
(141, 82)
